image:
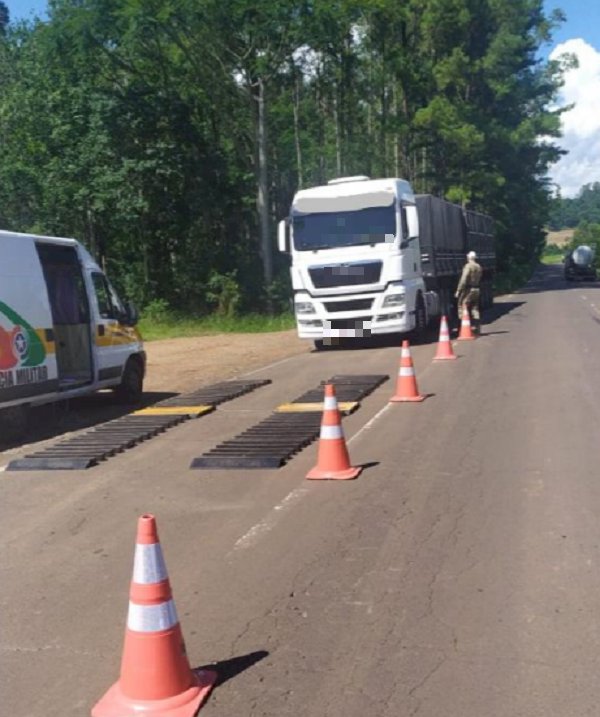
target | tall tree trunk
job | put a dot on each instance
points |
(262, 199)
(370, 131)
(296, 106)
(322, 114)
(338, 139)
(396, 133)
(383, 128)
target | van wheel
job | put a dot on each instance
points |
(131, 388)
(13, 424)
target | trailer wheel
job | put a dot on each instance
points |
(131, 388)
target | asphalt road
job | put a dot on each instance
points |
(457, 576)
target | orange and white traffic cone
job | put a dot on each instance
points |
(466, 333)
(333, 461)
(406, 383)
(156, 678)
(444, 349)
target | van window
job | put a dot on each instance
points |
(109, 305)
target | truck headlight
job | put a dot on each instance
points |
(394, 300)
(304, 307)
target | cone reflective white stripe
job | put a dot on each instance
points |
(333, 462)
(330, 432)
(148, 564)
(444, 348)
(151, 618)
(406, 371)
(405, 353)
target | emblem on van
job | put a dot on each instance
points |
(19, 342)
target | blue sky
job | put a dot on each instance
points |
(579, 35)
(23, 9)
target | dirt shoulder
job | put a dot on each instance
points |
(183, 364)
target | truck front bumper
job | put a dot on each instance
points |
(392, 322)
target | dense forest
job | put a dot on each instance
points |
(170, 135)
(569, 213)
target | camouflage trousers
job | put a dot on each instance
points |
(470, 300)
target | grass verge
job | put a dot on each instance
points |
(172, 326)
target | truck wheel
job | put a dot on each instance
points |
(131, 388)
(420, 317)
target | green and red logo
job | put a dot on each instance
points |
(20, 346)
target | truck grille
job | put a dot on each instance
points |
(326, 277)
(356, 323)
(353, 305)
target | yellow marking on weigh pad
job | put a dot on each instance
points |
(344, 406)
(174, 411)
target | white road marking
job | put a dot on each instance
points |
(2, 468)
(369, 424)
(270, 365)
(272, 518)
(270, 521)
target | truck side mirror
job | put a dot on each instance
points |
(283, 236)
(412, 220)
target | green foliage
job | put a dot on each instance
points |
(156, 311)
(552, 254)
(585, 207)
(513, 277)
(223, 293)
(133, 126)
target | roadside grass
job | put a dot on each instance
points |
(553, 253)
(171, 325)
(551, 259)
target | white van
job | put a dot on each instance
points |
(64, 332)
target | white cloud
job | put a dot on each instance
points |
(581, 125)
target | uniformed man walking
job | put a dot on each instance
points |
(467, 291)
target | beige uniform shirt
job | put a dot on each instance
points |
(470, 278)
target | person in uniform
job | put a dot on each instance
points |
(467, 291)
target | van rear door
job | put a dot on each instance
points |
(70, 313)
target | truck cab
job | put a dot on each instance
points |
(356, 259)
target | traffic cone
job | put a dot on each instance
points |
(333, 461)
(406, 383)
(444, 348)
(156, 678)
(466, 333)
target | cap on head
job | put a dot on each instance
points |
(471, 255)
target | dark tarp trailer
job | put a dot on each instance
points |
(446, 233)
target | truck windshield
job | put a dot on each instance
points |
(332, 230)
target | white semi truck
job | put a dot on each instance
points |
(370, 257)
